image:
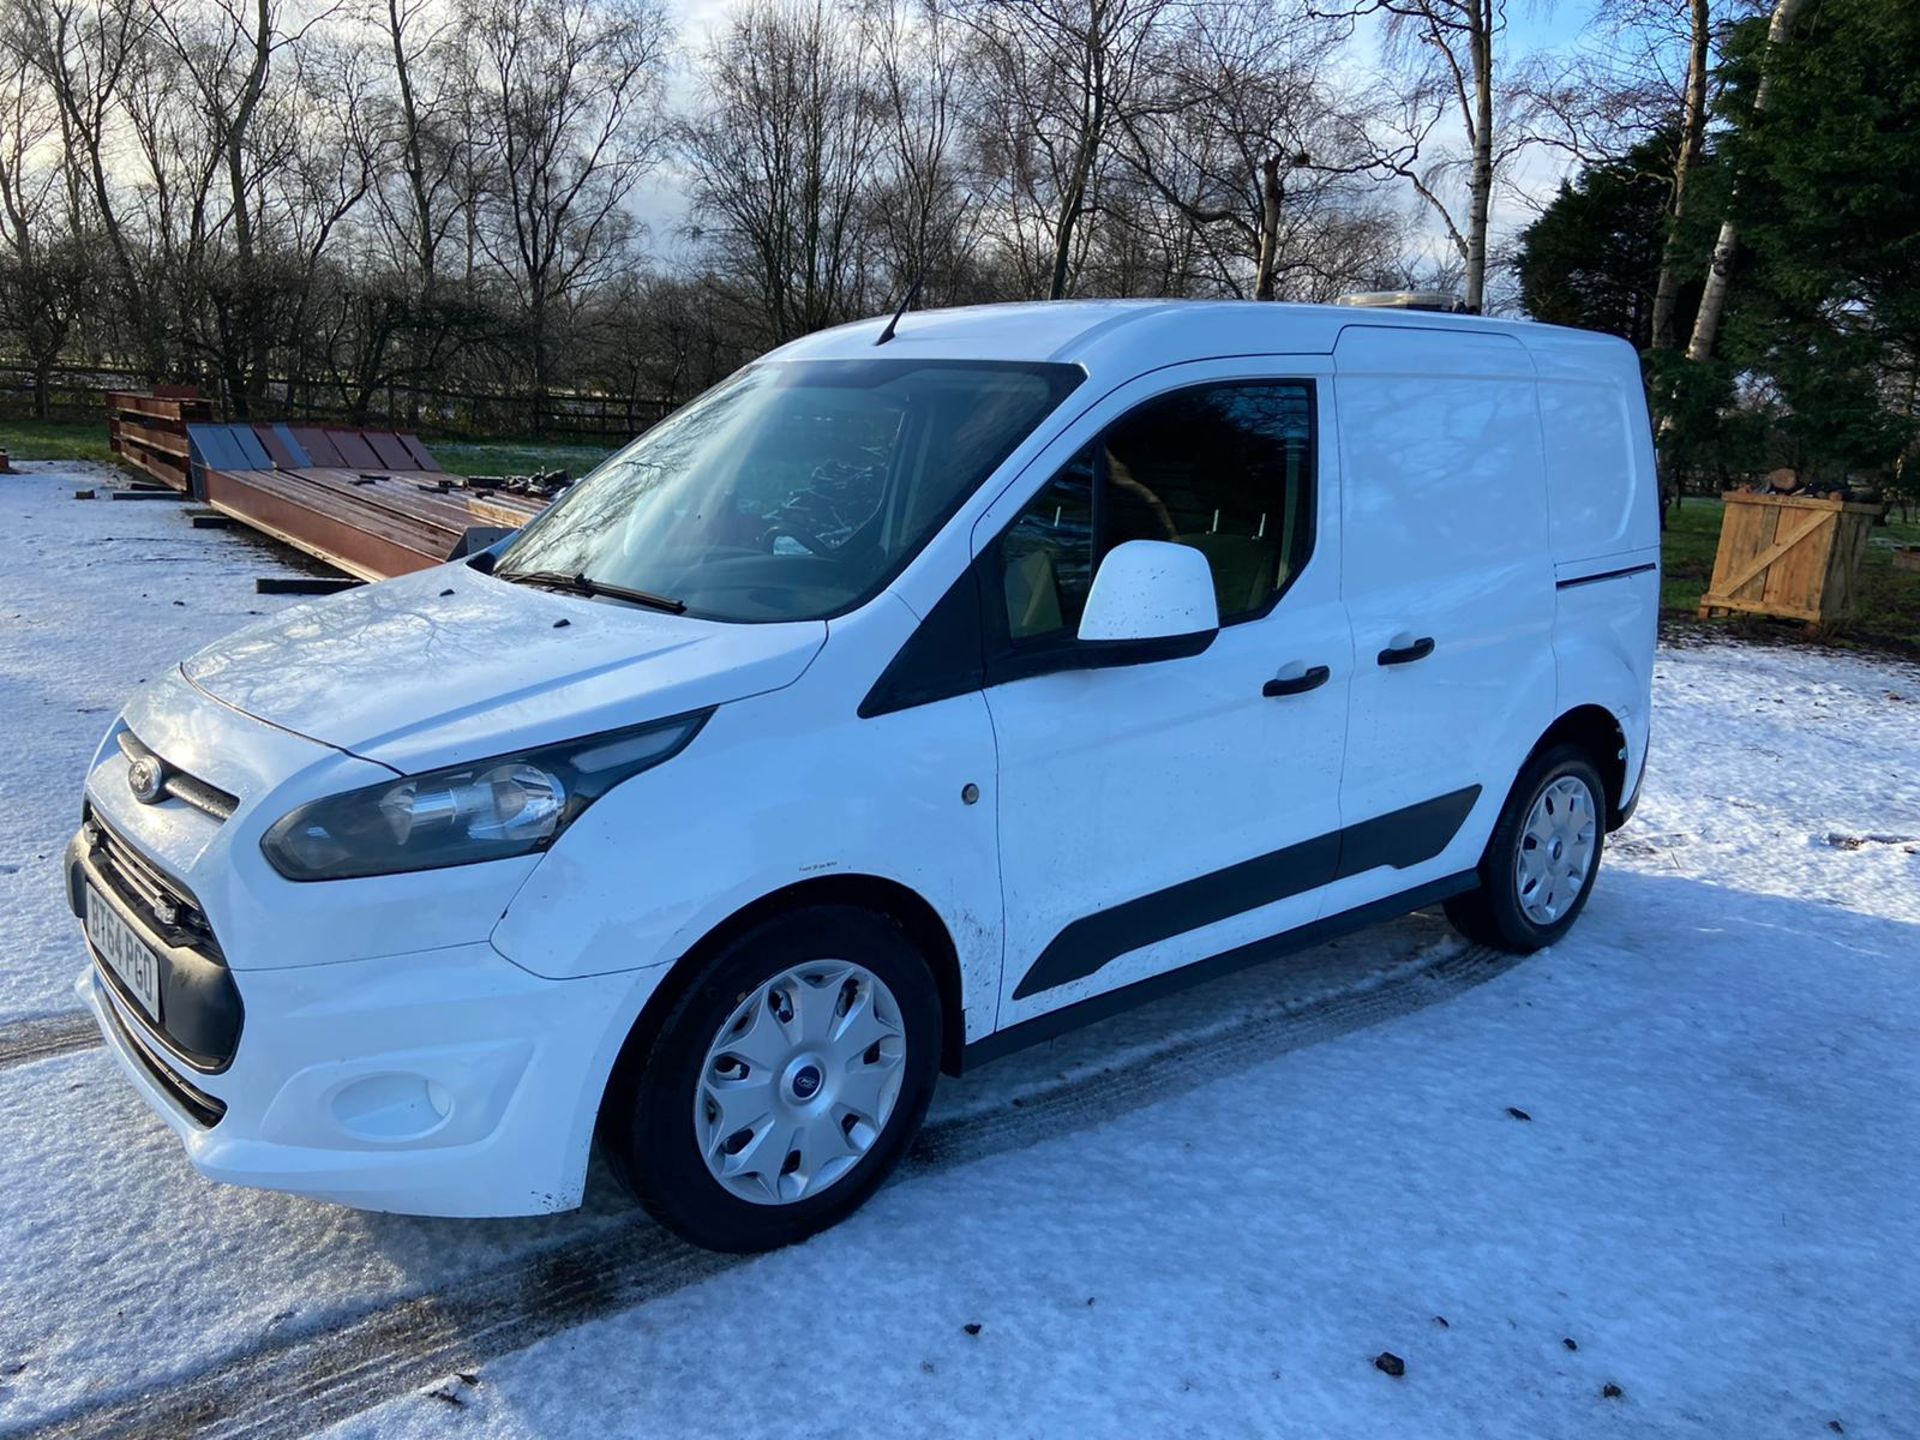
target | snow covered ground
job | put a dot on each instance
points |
(1208, 1216)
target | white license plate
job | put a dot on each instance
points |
(124, 953)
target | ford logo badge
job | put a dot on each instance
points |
(147, 778)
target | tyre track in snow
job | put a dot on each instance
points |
(24, 1041)
(301, 1383)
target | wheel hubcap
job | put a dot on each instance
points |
(1556, 850)
(800, 1082)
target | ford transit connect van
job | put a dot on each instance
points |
(889, 706)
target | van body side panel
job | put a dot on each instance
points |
(1604, 501)
(1445, 533)
(1603, 641)
(785, 789)
(1602, 488)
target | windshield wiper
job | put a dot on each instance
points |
(583, 584)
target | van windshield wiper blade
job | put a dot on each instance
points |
(583, 584)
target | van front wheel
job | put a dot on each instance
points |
(1542, 860)
(785, 1084)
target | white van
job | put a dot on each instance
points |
(890, 706)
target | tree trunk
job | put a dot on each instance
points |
(1482, 182)
(1093, 124)
(252, 288)
(1272, 192)
(1072, 204)
(1693, 129)
(1713, 300)
(413, 160)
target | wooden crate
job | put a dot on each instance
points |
(1790, 556)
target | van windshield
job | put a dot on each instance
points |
(794, 490)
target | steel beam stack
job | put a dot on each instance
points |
(149, 432)
(373, 503)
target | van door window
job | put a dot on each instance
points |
(1226, 469)
(1047, 555)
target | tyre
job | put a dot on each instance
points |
(784, 1084)
(1542, 860)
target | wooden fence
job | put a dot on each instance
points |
(560, 417)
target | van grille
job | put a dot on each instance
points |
(166, 906)
(190, 789)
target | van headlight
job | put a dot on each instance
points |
(490, 810)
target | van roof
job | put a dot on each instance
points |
(1136, 335)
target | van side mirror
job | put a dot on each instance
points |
(1151, 600)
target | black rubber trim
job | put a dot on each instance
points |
(208, 799)
(1101, 1007)
(1097, 655)
(1405, 837)
(1401, 838)
(1598, 576)
(205, 1110)
(943, 657)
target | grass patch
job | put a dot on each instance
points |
(1887, 616)
(57, 440)
(515, 457)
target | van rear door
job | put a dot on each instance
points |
(1448, 583)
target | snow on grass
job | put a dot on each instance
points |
(1712, 1198)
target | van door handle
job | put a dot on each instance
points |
(1299, 684)
(1407, 654)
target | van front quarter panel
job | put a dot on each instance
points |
(776, 791)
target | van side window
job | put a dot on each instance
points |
(1047, 555)
(1226, 469)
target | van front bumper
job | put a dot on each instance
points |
(442, 1082)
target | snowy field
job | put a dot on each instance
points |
(1207, 1217)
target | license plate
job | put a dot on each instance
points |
(124, 953)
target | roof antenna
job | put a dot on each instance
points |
(913, 293)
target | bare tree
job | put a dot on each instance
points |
(919, 205)
(566, 103)
(41, 268)
(416, 36)
(1451, 48)
(779, 157)
(1063, 76)
(87, 50)
(1245, 137)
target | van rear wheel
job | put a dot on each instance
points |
(1541, 862)
(785, 1084)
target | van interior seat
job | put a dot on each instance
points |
(1246, 569)
(1033, 596)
